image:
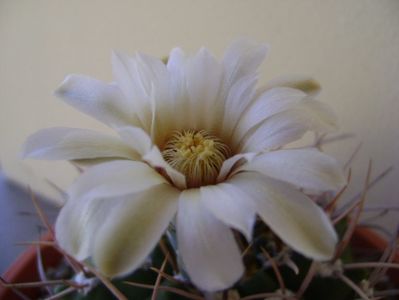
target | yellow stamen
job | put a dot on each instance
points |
(196, 154)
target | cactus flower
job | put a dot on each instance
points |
(196, 143)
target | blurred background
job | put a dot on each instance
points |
(351, 47)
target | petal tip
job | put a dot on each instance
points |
(28, 148)
(329, 252)
(63, 88)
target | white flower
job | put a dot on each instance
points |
(196, 139)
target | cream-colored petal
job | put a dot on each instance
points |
(208, 250)
(203, 79)
(146, 81)
(322, 117)
(78, 222)
(269, 103)
(306, 168)
(133, 228)
(231, 162)
(295, 218)
(125, 72)
(304, 83)
(275, 132)
(155, 159)
(115, 178)
(243, 57)
(152, 72)
(136, 138)
(177, 72)
(241, 62)
(239, 96)
(103, 101)
(175, 66)
(157, 82)
(230, 206)
(71, 144)
(139, 140)
(289, 125)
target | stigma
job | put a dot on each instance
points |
(196, 154)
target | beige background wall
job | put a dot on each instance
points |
(351, 47)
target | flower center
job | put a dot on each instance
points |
(196, 154)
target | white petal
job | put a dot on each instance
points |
(132, 229)
(155, 159)
(242, 58)
(139, 140)
(156, 81)
(122, 69)
(239, 96)
(307, 168)
(276, 131)
(100, 100)
(78, 222)
(300, 82)
(129, 81)
(271, 102)
(296, 219)
(111, 179)
(321, 117)
(70, 143)
(203, 75)
(177, 69)
(136, 138)
(289, 125)
(176, 62)
(152, 71)
(145, 81)
(209, 252)
(229, 163)
(230, 206)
